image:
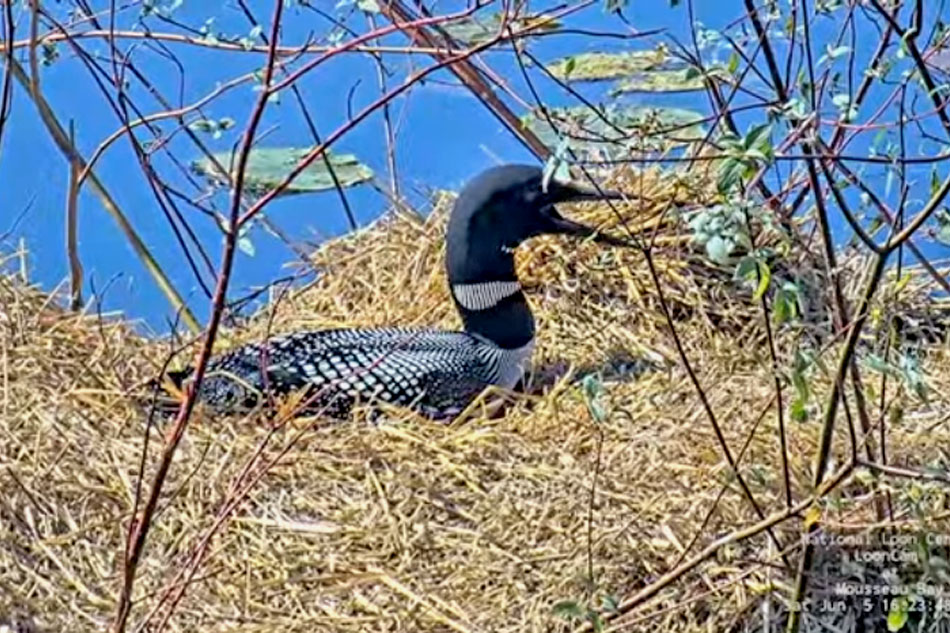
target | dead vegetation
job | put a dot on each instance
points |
(485, 524)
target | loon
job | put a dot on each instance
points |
(436, 373)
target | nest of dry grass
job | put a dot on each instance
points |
(485, 524)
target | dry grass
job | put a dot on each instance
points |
(481, 525)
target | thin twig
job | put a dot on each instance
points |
(143, 523)
(61, 139)
(72, 241)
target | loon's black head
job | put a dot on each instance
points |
(504, 206)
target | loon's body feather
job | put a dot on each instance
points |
(437, 373)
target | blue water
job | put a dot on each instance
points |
(444, 137)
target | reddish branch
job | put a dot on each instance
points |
(357, 118)
(470, 77)
(139, 527)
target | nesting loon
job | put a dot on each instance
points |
(437, 373)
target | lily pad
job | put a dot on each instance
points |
(617, 131)
(473, 31)
(679, 80)
(268, 166)
(601, 66)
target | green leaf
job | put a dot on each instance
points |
(593, 389)
(898, 614)
(798, 411)
(729, 175)
(268, 166)
(719, 248)
(50, 53)
(246, 246)
(745, 269)
(834, 53)
(765, 277)
(733, 64)
(568, 609)
(913, 377)
(368, 6)
(841, 100)
(878, 364)
(569, 65)
(786, 303)
(203, 125)
(596, 622)
(781, 309)
(757, 137)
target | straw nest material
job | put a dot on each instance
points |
(492, 523)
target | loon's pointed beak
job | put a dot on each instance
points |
(575, 192)
(569, 227)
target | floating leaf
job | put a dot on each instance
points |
(478, 31)
(601, 66)
(268, 167)
(615, 131)
(680, 80)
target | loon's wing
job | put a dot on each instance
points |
(435, 372)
